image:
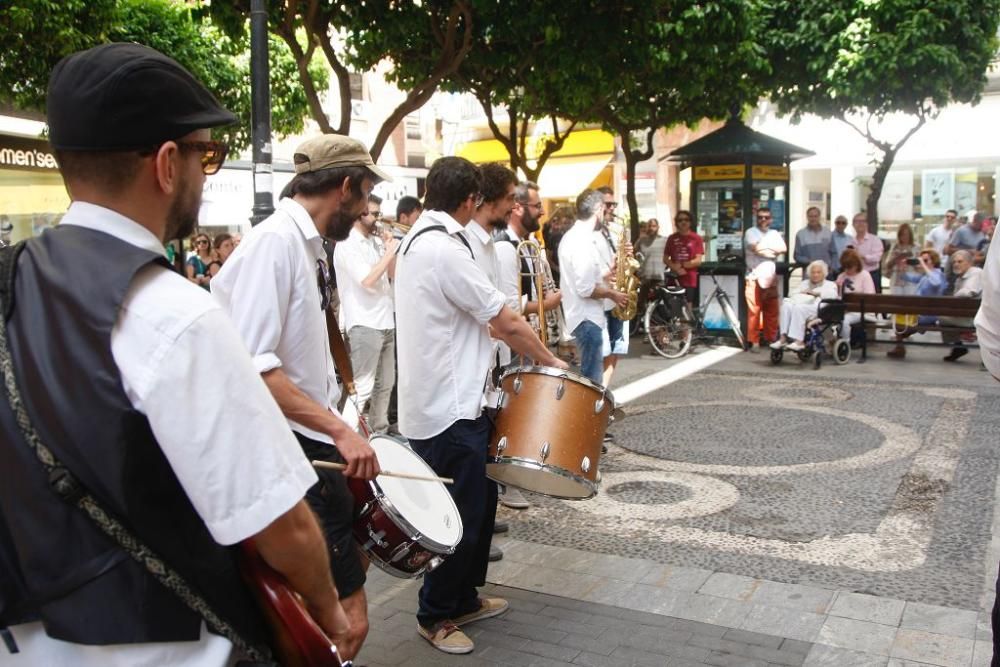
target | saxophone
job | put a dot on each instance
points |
(626, 279)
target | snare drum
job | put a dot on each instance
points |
(406, 527)
(548, 432)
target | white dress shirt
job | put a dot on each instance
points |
(180, 359)
(580, 271)
(988, 318)
(443, 344)
(510, 271)
(269, 287)
(760, 268)
(353, 260)
(602, 244)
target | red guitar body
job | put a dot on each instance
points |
(297, 638)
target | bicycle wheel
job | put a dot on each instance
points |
(669, 336)
(734, 321)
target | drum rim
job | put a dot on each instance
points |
(547, 468)
(569, 375)
(401, 521)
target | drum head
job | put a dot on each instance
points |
(426, 506)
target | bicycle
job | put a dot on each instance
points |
(670, 324)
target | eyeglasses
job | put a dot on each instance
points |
(201, 242)
(763, 217)
(325, 288)
(213, 154)
(610, 204)
(537, 206)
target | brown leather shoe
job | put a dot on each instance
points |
(898, 352)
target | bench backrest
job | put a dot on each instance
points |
(945, 306)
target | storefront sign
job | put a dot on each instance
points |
(719, 172)
(769, 172)
(26, 154)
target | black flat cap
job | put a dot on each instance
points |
(121, 97)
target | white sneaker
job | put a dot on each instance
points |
(778, 344)
(514, 499)
(795, 346)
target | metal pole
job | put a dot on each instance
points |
(260, 106)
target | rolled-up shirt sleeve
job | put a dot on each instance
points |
(257, 299)
(221, 431)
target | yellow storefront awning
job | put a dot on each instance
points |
(578, 143)
(565, 178)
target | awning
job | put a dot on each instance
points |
(565, 178)
(578, 143)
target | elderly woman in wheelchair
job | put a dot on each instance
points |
(807, 315)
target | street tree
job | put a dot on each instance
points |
(36, 34)
(858, 61)
(356, 36)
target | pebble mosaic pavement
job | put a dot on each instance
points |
(875, 487)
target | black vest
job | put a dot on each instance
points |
(55, 565)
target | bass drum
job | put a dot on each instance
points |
(548, 432)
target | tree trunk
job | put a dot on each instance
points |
(632, 159)
(878, 183)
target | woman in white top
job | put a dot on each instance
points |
(799, 308)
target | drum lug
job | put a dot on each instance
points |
(501, 399)
(585, 464)
(433, 563)
(502, 444)
(376, 538)
(561, 390)
(517, 384)
(544, 454)
(401, 552)
(598, 405)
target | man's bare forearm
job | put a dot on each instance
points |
(294, 546)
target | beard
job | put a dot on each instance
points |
(339, 225)
(182, 216)
(530, 222)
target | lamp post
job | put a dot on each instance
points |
(260, 111)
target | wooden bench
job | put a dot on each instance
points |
(899, 304)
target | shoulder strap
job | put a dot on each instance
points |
(8, 270)
(71, 490)
(338, 348)
(438, 228)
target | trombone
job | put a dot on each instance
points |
(534, 268)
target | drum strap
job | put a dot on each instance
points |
(439, 228)
(341, 357)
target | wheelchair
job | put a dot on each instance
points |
(822, 337)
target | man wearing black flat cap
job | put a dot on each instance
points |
(109, 415)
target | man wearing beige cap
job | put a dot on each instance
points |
(276, 287)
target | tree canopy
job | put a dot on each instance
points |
(36, 34)
(856, 59)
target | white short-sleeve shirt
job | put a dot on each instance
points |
(443, 304)
(580, 271)
(179, 359)
(988, 318)
(269, 287)
(353, 260)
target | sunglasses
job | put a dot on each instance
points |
(611, 205)
(763, 217)
(323, 282)
(213, 154)
(201, 242)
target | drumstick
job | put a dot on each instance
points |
(386, 473)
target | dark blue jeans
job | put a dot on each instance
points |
(460, 452)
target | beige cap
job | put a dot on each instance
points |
(329, 151)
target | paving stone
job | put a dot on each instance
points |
(754, 638)
(600, 660)
(982, 653)
(730, 660)
(793, 596)
(796, 646)
(801, 625)
(554, 651)
(676, 577)
(589, 644)
(709, 609)
(822, 655)
(732, 586)
(868, 608)
(940, 620)
(944, 650)
(857, 635)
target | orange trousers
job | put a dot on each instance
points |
(762, 312)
